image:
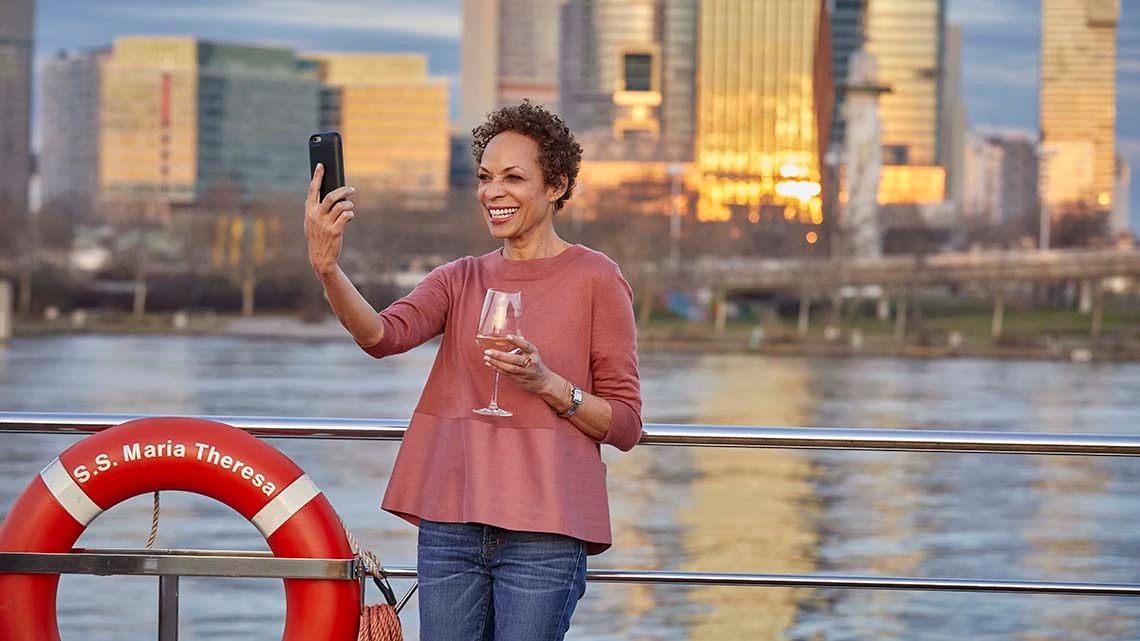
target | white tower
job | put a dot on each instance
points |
(864, 158)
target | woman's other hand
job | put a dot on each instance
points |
(523, 365)
(325, 221)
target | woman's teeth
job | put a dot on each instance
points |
(502, 213)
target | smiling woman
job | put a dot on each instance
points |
(508, 506)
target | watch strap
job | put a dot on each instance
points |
(575, 402)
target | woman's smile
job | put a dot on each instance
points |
(500, 215)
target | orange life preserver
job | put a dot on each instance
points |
(191, 455)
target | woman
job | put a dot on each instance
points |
(507, 508)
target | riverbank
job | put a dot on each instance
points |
(1041, 335)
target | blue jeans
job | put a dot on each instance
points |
(483, 583)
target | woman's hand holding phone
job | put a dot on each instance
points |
(325, 220)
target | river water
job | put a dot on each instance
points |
(713, 509)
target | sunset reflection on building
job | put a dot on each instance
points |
(765, 96)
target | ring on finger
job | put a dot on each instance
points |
(526, 363)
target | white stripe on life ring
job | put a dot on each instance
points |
(285, 505)
(70, 496)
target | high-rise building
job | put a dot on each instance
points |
(627, 77)
(508, 52)
(1000, 177)
(69, 121)
(1018, 176)
(953, 128)
(765, 100)
(679, 79)
(393, 119)
(16, 18)
(181, 117)
(847, 36)
(1078, 103)
(982, 181)
(906, 38)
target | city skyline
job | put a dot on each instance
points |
(1001, 48)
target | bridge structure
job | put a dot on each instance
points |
(900, 275)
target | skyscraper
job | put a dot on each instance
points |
(1078, 103)
(982, 181)
(69, 121)
(509, 51)
(627, 77)
(679, 80)
(906, 38)
(16, 17)
(394, 121)
(765, 99)
(1019, 171)
(847, 36)
(953, 117)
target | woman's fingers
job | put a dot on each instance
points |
(340, 193)
(342, 206)
(512, 362)
(315, 185)
(522, 344)
(342, 220)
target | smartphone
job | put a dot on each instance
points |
(326, 148)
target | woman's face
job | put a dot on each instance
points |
(512, 189)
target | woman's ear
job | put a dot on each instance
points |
(557, 190)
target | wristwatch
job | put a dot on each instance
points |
(575, 401)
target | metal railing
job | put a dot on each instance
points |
(654, 434)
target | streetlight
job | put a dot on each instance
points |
(1045, 221)
(676, 170)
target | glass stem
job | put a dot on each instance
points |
(495, 393)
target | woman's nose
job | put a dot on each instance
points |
(494, 188)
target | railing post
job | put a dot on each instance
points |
(900, 317)
(805, 313)
(5, 310)
(999, 314)
(721, 316)
(168, 607)
(1097, 310)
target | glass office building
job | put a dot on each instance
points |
(847, 17)
(508, 51)
(627, 76)
(765, 99)
(69, 126)
(394, 122)
(16, 17)
(181, 117)
(1078, 103)
(906, 39)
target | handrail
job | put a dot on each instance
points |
(909, 440)
(259, 564)
(688, 435)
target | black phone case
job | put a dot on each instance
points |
(326, 148)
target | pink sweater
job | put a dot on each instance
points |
(533, 471)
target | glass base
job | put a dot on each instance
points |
(492, 411)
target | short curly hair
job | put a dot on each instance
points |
(559, 154)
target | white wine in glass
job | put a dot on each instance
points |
(499, 319)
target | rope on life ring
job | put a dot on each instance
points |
(191, 455)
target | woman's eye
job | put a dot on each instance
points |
(514, 178)
(484, 178)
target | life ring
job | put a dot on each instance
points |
(191, 455)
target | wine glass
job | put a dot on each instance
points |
(499, 319)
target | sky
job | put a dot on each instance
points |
(1001, 42)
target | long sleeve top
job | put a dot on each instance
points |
(533, 471)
